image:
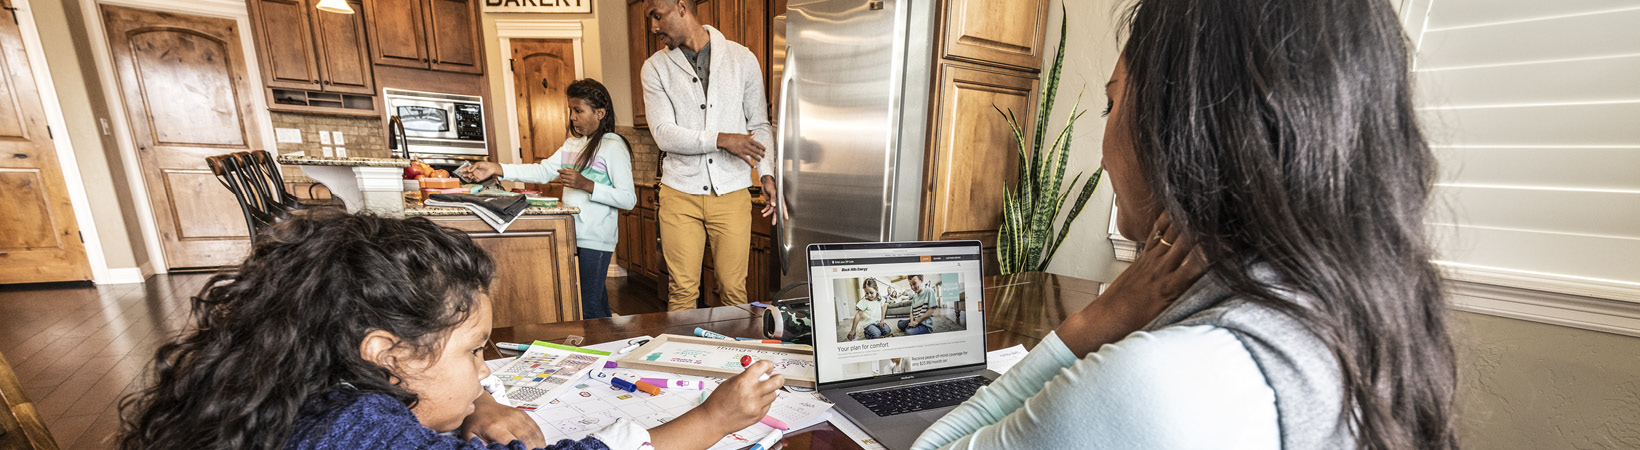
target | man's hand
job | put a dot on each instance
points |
(774, 205)
(574, 179)
(481, 171)
(493, 422)
(742, 146)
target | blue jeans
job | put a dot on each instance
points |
(874, 331)
(923, 328)
(594, 271)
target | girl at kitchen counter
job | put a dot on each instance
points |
(345, 331)
(596, 167)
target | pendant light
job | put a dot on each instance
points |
(335, 6)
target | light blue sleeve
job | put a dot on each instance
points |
(1176, 388)
(541, 172)
(618, 162)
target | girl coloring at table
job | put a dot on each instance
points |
(346, 331)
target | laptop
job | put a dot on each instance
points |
(899, 332)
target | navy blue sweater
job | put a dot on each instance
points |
(379, 421)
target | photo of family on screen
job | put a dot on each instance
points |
(876, 307)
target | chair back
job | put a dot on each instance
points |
(270, 170)
(228, 171)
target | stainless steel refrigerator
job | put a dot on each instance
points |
(852, 81)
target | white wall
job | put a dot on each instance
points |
(1091, 51)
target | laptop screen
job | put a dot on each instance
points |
(893, 308)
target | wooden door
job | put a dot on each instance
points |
(397, 32)
(1006, 34)
(541, 69)
(640, 44)
(455, 45)
(972, 153)
(286, 36)
(344, 56)
(182, 78)
(39, 239)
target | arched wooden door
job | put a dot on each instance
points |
(541, 69)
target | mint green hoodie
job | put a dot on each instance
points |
(597, 227)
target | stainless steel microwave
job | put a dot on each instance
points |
(439, 125)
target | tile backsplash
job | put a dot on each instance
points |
(646, 156)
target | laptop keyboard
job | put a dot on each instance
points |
(919, 397)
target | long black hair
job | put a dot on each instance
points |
(594, 93)
(278, 335)
(1282, 133)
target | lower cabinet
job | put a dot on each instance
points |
(536, 279)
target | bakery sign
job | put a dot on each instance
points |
(538, 6)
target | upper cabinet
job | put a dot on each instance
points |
(440, 35)
(313, 59)
(1004, 34)
(640, 44)
(743, 21)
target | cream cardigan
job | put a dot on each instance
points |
(686, 120)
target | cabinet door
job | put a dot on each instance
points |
(397, 32)
(1007, 34)
(453, 29)
(640, 47)
(623, 242)
(759, 269)
(344, 56)
(285, 44)
(973, 152)
(648, 232)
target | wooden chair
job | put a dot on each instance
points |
(20, 424)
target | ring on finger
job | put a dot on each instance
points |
(1165, 242)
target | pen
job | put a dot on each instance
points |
(768, 441)
(512, 346)
(765, 341)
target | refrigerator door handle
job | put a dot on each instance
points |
(783, 229)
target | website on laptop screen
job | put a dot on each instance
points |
(883, 311)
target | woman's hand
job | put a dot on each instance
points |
(1169, 265)
(573, 179)
(494, 422)
(480, 172)
(737, 403)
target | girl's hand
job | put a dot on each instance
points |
(1169, 265)
(479, 172)
(494, 422)
(573, 179)
(742, 400)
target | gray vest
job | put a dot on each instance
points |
(1301, 370)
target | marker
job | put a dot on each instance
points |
(764, 341)
(601, 377)
(676, 384)
(746, 361)
(630, 348)
(779, 425)
(611, 364)
(767, 441)
(647, 388)
(623, 384)
(512, 346)
(702, 332)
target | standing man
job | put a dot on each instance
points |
(704, 96)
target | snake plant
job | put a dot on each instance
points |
(1027, 240)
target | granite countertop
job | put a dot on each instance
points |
(348, 161)
(413, 210)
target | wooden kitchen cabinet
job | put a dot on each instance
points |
(742, 21)
(440, 35)
(536, 277)
(313, 61)
(1007, 34)
(968, 137)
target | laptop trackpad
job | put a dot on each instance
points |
(934, 414)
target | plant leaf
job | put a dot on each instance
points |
(1076, 210)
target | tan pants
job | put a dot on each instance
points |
(687, 222)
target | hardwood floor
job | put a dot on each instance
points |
(78, 348)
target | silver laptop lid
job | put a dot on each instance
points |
(868, 298)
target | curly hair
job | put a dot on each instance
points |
(274, 335)
(594, 93)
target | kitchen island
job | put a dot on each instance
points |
(536, 274)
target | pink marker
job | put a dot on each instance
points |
(676, 384)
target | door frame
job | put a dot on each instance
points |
(34, 49)
(103, 57)
(508, 29)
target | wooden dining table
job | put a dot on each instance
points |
(1020, 309)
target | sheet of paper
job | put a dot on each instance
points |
(854, 432)
(1001, 360)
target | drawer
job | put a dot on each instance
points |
(649, 197)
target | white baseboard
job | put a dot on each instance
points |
(1576, 311)
(123, 275)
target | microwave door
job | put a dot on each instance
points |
(425, 119)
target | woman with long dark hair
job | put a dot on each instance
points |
(1268, 156)
(595, 166)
